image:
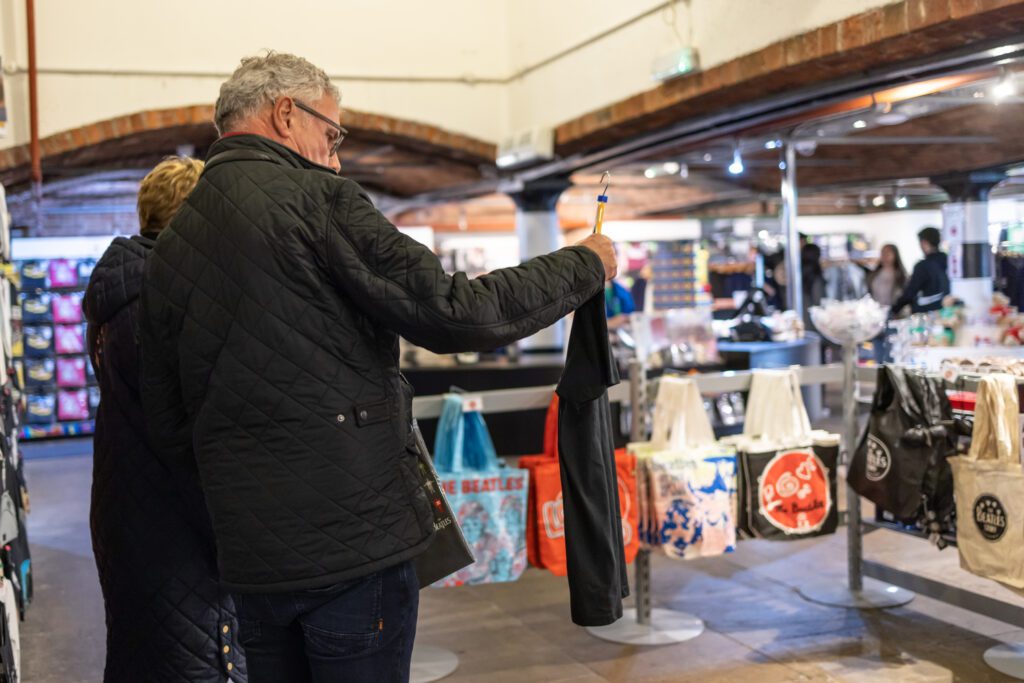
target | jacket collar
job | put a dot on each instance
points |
(257, 143)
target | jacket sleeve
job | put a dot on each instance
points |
(912, 288)
(401, 284)
(167, 422)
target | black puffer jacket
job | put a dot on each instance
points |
(272, 307)
(166, 614)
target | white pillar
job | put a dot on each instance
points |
(540, 233)
(971, 262)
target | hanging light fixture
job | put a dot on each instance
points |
(879, 200)
(901, 201)
(736, 167)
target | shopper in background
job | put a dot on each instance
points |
(889, 277)
(271, 311)
(929, 283)
(618, 304)
(167, 618)
(813, 278)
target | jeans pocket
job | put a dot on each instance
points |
(349, 622)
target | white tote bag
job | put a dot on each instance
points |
(989, 484)
(686, 482)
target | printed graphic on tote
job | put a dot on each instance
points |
(554, 517)
(879, 459)
(990, 517)
(794, 491)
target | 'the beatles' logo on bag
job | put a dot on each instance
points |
(794, 492)
(990, 517)
(879, 460)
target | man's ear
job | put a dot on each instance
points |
(282, 115)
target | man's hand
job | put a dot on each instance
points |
(603, 247)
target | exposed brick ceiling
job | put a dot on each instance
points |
(387, 155)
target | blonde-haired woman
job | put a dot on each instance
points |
(167, 619)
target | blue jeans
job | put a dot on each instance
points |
(361, 630)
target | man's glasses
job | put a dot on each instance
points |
(313, 112)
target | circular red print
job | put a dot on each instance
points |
(794, 492)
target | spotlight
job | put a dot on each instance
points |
(860, 123)
(771, 144)
(707, 156)
(782, 165)
(736, 167)
(901, 201)
(684, 171)
(879, 200)
(1006, 87)
(671, 167)
(651, 172)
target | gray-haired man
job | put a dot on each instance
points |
(272, 307)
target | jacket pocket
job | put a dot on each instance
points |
(372, 413)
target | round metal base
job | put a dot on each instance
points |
(874, 595)
(432, 664)
(667, 626)
(1007, 659)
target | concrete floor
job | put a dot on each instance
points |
(758, 628)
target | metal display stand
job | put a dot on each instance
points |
(871, 594)
(434, 663)
(1006, 658)
(644, 625)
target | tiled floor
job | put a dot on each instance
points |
(759, 630)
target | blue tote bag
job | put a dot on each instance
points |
(488, 498)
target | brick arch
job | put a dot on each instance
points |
(415, 136)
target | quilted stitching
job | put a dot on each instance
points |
(271, 306)
(165, 609)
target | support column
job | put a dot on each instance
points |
(540, 233)
(794, 276)
(965, 229)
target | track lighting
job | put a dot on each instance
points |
(736, 167)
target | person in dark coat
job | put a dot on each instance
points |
(167, 618)
(271, 312)
(929, 282)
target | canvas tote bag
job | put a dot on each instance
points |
(989, 484)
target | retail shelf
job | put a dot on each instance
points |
(60, 429)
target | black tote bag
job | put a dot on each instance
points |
(448, 552)
(902, 441)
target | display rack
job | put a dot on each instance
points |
(1006, 658)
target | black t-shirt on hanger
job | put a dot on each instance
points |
(595, 551)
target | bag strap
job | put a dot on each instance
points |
(996, 427)
(451, 433)
(551, 429)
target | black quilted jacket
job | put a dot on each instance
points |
(272, 307)
(166, 614)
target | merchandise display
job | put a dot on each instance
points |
(16, 591)
(850, 322)
(53, 351)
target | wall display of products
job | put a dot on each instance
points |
(675, 270)
(15, 557)
(61, 391)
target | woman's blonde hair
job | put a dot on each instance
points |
(164, 189)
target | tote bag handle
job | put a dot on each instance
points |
(680, 421)
(996, 427)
